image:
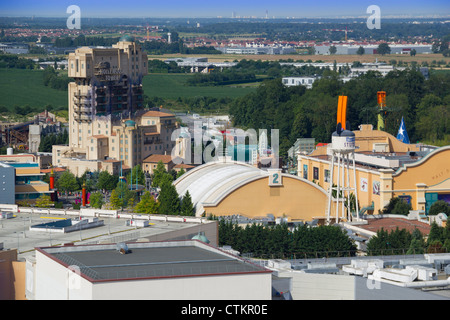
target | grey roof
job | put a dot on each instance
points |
(209, 183)
(150, 260)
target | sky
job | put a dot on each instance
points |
(223, 8)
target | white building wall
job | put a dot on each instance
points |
(310, 286)
(53, 281)
(236, 287)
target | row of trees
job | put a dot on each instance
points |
(310, 30)
(47, 141)
(403, 242)
(301, 113)
(13, 61)
(399, 206)
(54, 80)
(278, 241)
(220, 78)
(164, 198)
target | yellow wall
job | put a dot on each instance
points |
(431, 174)
(296, 199)
(32, 188)
(365, 198)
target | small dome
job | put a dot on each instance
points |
(130, 123)
(201, 237)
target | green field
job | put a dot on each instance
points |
(26, 88)
(172, 86)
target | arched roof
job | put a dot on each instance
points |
(210, 182)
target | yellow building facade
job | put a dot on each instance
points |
(236, 188)
(420, 183)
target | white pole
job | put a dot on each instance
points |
(330, 188)
(343, 186)
(338, 187)
(349, 211)
(356, 187)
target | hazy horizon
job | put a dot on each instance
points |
(247, 8)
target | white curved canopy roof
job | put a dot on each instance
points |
(210, 182)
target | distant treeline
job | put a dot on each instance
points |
(301, 31)
(220, 78)
(279, 242)
(81, 40)
(13, 61)
(156, 47)
(304, 113)
(55, 81)
(47, 141)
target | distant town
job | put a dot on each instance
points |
(236, 158)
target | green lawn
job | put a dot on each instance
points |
(26, 87)
(172, 86)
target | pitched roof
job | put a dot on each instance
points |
(165, 158)
(157, 114)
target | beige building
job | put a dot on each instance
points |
(108, 127)
(386, 168)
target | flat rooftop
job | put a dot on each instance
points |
(16, 233)
(390, 224)
(150, 260)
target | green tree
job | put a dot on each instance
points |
(159, 175)
(439, 206)
(169, 201)
(106, 181)
(378, 244)
(44, 201)
(181, 172)
(67, 182)
(96, 200)
(333, 50)
(115, 201)
(436, 234)
(360, 51)
(417, 245)
(397, 206)
(147, 204)
(187, 208)
(127, 196)
(136, 172)
(383, 48)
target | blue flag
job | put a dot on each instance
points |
(402, 135)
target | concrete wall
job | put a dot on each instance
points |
(228, 287)
(307, 286)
